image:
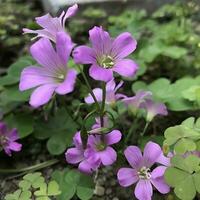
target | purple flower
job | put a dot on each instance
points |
(134, 103)
(8, 139)
(141, 172)
(52, 25)
(99, 148)
(153, 109)
(107, 55)
(53, 75)
(76, 156)
(111, 95)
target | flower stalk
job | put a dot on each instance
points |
(31, 168)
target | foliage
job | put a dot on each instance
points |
(183, 140)
(34, 186)
(187, 173)
(184, 137)
(14, 16)
(168, 58)
(73, 182)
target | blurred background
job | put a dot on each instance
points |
(168, 52)
(164, 28)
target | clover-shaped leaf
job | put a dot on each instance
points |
(183, 136)
(53, 189)
(184, 145)
(73, 182)
(42, 190)
(24, 185)
(38, 182)
(187, 173)
(14, 196)
(25, 195)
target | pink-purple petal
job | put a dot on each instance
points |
(71, 11)
(108, 156)
(33, 76)
(42, 95)
(14, 146)
(64, 47)
(134, 156)
(123, 45)
(113, 137)
(126, 67)
(84, 55)
(127, 176)
(85, 167)
(152, 151)
(100, 74)
(110, 86)
(68, 85)
(44, 53)
(98, 94)
(101, 41)
(74, 155)
(144, 190)
(13, 134)
(40, 33)
(52, 24)
(157, 179)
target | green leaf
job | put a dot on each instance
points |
(71, 182)
(24, 185)
(25, 195)
(15, 69)
(14, 196)
(32, 177)
(139, 85)
(161, 89)
(85, 189)
(185, 190)
(193, 163)
(57, 144)
(174, 52)
(184, 145)
(196, 177)
(53, 189)
(60, 128)
(73, 177)
(38, 182)
(12, 94)
(42, 190)
(68, 190)
(172, 172)
(22, 121)
(189, 122)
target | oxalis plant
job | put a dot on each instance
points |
(175, 166)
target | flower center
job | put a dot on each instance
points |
(60, 77)
(100, 146)
(107, 62)
(144, 173)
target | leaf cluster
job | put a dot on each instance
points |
(34, 186)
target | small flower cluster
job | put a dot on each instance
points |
(8, 139)
(143, 99)
(96, 153)
(106, 56)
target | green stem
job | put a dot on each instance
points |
(89, 88)
(145, 128)
(103, 103)
(32, 168)
(131, 131)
